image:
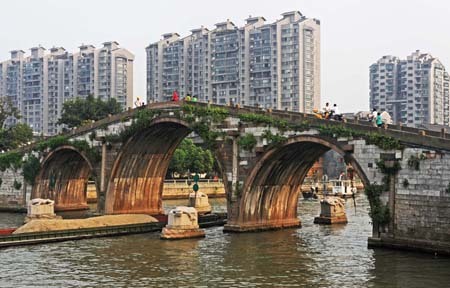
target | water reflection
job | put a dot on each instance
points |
(313, 256)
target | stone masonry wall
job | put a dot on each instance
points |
(11, 198)
(422, 208)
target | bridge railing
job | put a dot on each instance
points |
(190, 181)
(407, 135)
(415, 136)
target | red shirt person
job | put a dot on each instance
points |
(175, 96)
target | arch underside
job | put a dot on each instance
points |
(270, 195)
(63, 178)
(138, 175)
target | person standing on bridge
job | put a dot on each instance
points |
(137, 103)
(175, 96)
(373, 116)
(379, 120)
(326, 111)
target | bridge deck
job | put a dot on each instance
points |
(412, 136)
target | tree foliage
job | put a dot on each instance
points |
(79, 111)
(191, 158)
(7, 109)
(13, 137)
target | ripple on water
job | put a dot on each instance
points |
(313, 256)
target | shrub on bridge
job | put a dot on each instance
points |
(52, 143)
(380, 140)
(215, 114)
(383, 141)
(141, 120)
(247, 142)
(10, 159)
(264, 119)
(273, 139)
(209, 137)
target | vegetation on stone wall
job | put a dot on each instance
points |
(51, 143)
(388, 171)
(214, 114)
(378, 211)
(208, 136)
(447, 190)
(414, 161)
(382, 141)
(273, 139)
(81, 145)
(30, 169)
(113, 138)
(11, 159)
(141, 120)
(17, 185)
(247, 142)
(264, 119)
(405, 183)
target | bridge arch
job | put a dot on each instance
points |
(63, 177)
(271, 190)
(138, 173)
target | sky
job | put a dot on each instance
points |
(354, 33)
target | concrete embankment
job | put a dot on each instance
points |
(94, 222)
(176, 189)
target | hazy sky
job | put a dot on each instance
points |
(354, 33)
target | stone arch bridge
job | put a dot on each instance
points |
(264, 157)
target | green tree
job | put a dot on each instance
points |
(191, 158)
(79, 111)
(7, 109)
(14, 136)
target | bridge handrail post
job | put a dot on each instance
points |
(443, 131)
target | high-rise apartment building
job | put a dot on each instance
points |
(414, 91)
(40, 83)
(272, 65)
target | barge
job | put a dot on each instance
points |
(7, 239)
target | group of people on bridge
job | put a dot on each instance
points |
(188, 98)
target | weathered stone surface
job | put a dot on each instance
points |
(200, 202)
(332, 211)
(182, 223)
(63, 178)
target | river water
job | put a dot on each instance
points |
(312, 256)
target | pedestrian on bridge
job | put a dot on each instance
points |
(326, 111)
(379, 120)
(175, 96)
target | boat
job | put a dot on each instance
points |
(341, 188)
(8, 239)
